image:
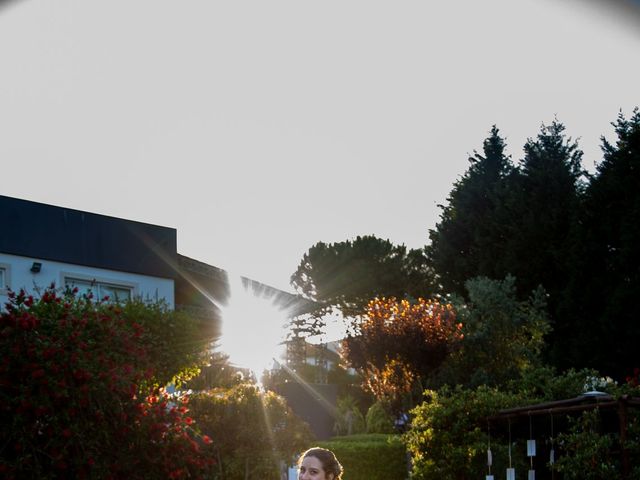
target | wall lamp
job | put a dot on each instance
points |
(36, 267)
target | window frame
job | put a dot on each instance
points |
(5, 278)
(69, 277)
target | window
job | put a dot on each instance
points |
(5, 277)
(99, 289)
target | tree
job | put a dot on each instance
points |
(400, 345)
(348, 274)
(217, 372)
(502, 336)
(349, 418)
(504, 220)
(601, 302)
(258, 428)
(471, 235)
(543, 207)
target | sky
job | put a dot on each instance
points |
(258, 128)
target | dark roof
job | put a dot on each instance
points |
(199, 284)
(48, 232)
(582, 402)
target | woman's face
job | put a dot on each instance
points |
(311, 469)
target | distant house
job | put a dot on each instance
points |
(326, 355)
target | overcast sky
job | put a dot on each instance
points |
(258, 128)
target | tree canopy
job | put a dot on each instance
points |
(256, 430)
(348, 274)
(541, 219)
(472, 233)
(400, 345)
(503, 336)
(600, 305)
(515, 219)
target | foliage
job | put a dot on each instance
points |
(399, 344)
(544, 384)
(448, 435)
(587, 453)
(79, 395)
(470, 237)
(217, 372)
(521, 219)
(543, 204)
(600, 305)
(378, 419)
(348, 274)
(257, 430)
(349, 418)
(176, 343)
(348, 382)
(502, 336)
(592, 446)
(365, 457)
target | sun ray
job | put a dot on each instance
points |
(269, 429)
(326, 404)
(253, 327)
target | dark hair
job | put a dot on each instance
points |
(330, 463)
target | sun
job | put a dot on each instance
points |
(253, 328)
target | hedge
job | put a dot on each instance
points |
(369, 456)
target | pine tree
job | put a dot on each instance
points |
(601, 302)
(471, 231)
(348, 274)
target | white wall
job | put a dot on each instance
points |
(20, 277)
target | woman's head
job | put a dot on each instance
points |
(319, 464)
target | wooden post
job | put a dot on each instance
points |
(622, 417)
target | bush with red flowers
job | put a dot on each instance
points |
(80, 395)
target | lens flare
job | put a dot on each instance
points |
(253, 327)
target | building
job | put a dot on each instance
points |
(42, 244)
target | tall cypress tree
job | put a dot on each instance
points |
(543, 207)
(601, 303)
(544, 201)
(471, 233)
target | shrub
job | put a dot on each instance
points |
(503, 336)
(349, 419)
(258, 431)
(544, 384)
(448, 435)
(378, 419)
(369, 456)
(591, 447)
(79, 395)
